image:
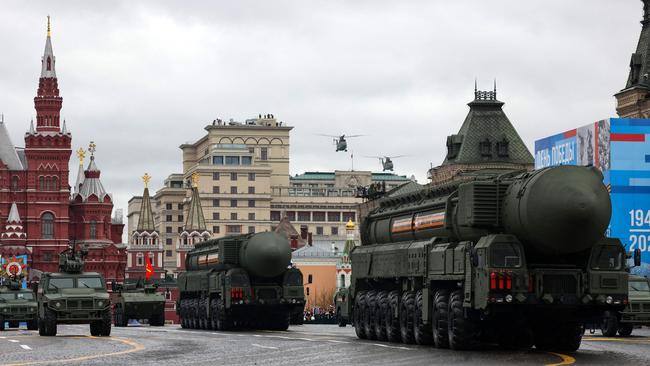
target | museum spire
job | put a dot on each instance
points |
(47, 102)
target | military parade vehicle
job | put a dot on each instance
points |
(636, 312)
(242, 281)
(17, 305)
(72, 296)
(138, 301)
(488, 251)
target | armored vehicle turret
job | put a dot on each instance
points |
(17, 304)
(240, 281)
(72, 296)
(139, 301)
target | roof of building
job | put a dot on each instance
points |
(8, 153)
(14, 217)
(640, 60)
(486, 122)
(145, 220)
(195, 220)
(332, 176)
(92, 185)
(320, 249)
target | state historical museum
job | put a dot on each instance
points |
(40, 213)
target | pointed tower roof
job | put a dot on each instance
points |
(8, 153)
(13, 230)
(14, 217)
(81, 154)
(145, 221)
(486, 136)
(640, 61)
(91, 183)
(47, 63)
(195, 220)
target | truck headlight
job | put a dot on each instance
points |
(508, 298)
(100, 303)
(57, 304)
(609, 300)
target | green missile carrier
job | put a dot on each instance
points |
(17, 305)
(240, 282)
(138, 301)
(72, 296)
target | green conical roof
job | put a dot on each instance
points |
(195, 220)
(145, 221)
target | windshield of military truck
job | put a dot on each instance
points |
(607, 257)
(81, 282)
(505, 255)
(640, 286)
(17, 295)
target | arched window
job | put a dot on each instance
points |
(41, 183)
(47, 226)
(342, 280)
(309, 279)
(49, 64)
(14, 183)
(93, 229)
(48, 183)
(55, 183)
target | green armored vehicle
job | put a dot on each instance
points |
(636, 312)
(240, 281)
(17, 305)
(72, 296)
(138, 301)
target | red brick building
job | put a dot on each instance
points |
(39, 216)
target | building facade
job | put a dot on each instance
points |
(36, 197)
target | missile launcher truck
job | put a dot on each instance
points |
(17, 305)
(138, 301)
(72, 296)
(240, 282)
(515, 257)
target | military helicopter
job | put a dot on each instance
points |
(386, 161)
(340, 141)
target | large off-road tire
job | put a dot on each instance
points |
(214, 313)
(609, 324)
(381, 303)
(223, 320)
(463, 331)
(406, 314)
(14, 324)
(32, 324)
(625, 329)
(359, 305)
(440, 317)
(2, 323)
(369, 318)
(421, 332)
(120, 318)
(391, 322)
(193, 311)
(47, 324)
(101, 328)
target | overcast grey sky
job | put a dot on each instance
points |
(141, 77)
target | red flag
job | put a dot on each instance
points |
(148, 268)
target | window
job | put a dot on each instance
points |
(304, 216)
(251, 203)
(233, 203)
(251, 190)
(90, 282)
(168, 241)
(246, 160)
(275, 215)
(607, 257)
(140, 259)
(233, 190)
(41, 183)
(233, 176)
(310, 279)
(291, 215)
(14, 183)
(251, 177)
(335, 230)
(232, 160)
(485, 148)
(215, 203)
(180, 229)
(180, 206)
(59, 283)
(168, 230)
(180, 218)
(307, 291)
(168, 253)
(502, 148)
(215, 216)
(168, 218)
(215, 176)
(93, 229)
(251, 229)
(168, 206)
(217, 160)
(215, 189)
(233, 229)
(505, 255)
(347, 216)
(333, 216)
(251, 215)
(318, 216)
(264, 153)
(47, 226)
(319, 230)
(233, 215)
(215, 229)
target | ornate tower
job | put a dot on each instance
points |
(145, 241)
(634, 101)
(47, 152)
(194, 230)
(13, 238)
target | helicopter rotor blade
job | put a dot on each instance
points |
(349, 136)
(322, 134)
(396, 156)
